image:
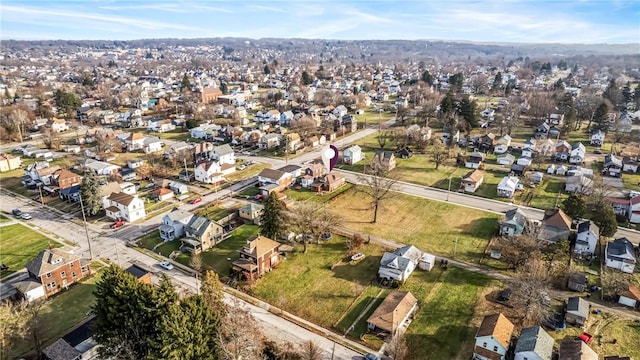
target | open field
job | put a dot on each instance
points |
(62, 313)
(19, 245)
(216, 258)
(432, 226)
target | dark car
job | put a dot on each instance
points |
(505, 295)
(16, 212)
(371, 357)
(555, 322)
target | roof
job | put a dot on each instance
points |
(557, 218)
(632, 293)
(394, 261)
(474, 175)
(586, 225)
(261, 245)
(393, 310)
(121, 198)
(49, 260)
(271, 174)
(576, 350)
(179, 215)
(198, 225)
(61, 350)
(536, 340)
(515, 216)
(578, 305)
(290, 168)
(162, 191)
(621, 247)
(409, 252)
(26, 286)
(223, 150)
(137, 271)
(498, 326)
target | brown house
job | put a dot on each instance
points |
(328, 183)
(315, 170)
(65, 179)
(493, 338)
(556, 225)
(393, 312)
(257, 257)
(56, 269)
(384, 160)
(209, 95)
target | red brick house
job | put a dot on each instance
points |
(55, 269)
(329, 183)
(257, 257)
(65, 179)
(209, 95)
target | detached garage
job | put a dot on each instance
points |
(630, 297)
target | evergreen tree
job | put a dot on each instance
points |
(613, 93)
(627, 94)
(497, 81)
(605, 219)
(266, 70)
(190, 331)
(212, 293)
(601, 117)
(87, 80)
(427, 77)
(469, 112)
(66, 100)
(224, 88)
(185, 84)
(90, 193)
(306, 78)
(456, 81)
(447, 105)
(562, 65)
(574, 206)
(272, 219)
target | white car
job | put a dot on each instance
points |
(25, 216)
(166, 265)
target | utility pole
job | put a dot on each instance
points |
(86, 230)
(41, 198)
(115, 245)
(449, 189)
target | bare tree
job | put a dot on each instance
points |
(311, 221)
(439, 153)
(35, 323)
(13, 326)
(530, 294)
(240, 337)
(541, 105)
(303, 126)
(397, 348)
(309, 350)
(586, 106)
(378, 186)
(354, 243)
(383, 136)
(516, 251)
(613, 282)
(15, 122)
(51, 139)
(479, 84)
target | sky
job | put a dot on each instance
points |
(542, 21)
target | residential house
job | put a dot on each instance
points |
(529, 148)
(475, 160)
(315, 170)
(313, 141)
(586, 238)
(524, 161)
(173, 224)
(64, 179)
(178, 188)
(561, 170)
(555, 119)
(542, 131)
(534, 344)
(101, 168)
(140, 272)
(161, 125)
(472, 181)
(518, 170)
(502, 144)
(393, 313)
(620, 255)
(612, 166)
(578, 282)
(152, 144)
(119, 205)
(134, 163)
(251, 212)
(202, 152)
(212, 172)
(41, 172)
(201, 234)
(597, 138)
(513, 223)
(578, 153)
(179, 148)
(629, 164)
(210, 95)
(76, 345)
(293, 142)
(294, 170)
(135, 141)
(554, 132)
(493, 338)
(624, 124)
(51, 271)
(352, 155)
(398, 265)
(487, 141)
(223, 154)
(384, 160)
(286, 117)
(578, 184)
(577, 311)
(634, 210)
(9, 162)
(546, 147)
(576, 349)
(536, 177)
(328, 183)
(277, 177)
(451, 137)
(59, 125)
(162, 194)
(563, 150)
(258, 256)
(556, 225)
(630, 297)
(269, 141)
(506, 159)
(404, 153)
(507, 186)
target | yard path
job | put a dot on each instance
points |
(373, 301)
(558, 294)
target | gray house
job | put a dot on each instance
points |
(173, 224)
(577, 311)
(534, 344)
(399, 264)
(513, 223)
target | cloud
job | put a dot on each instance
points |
(265, 8)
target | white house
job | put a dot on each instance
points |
(578, 184)
(173, 224)
(209, 172)
(629, 164)
(577, 154)
(534, 344)
(399, 264)
(493, 338)
(161, 125)
(59, 125)
(135, 141)
(101, 168)
(472, 181)
(352, 155)
(152, 144)
(630, 297)
(597, 138)
(506, 159)
(223, 154)
(634, 209)
(620, 255)
(507, 186)
(269, 141)
(524, 161)
(587, 238)
(124, 206)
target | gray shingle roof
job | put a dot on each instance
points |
(537, 340)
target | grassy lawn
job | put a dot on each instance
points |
(252, 170)
(423, 226)
(631, 181)
(150, 240)
(606, 327)
(306, 194)
(216, 212)
(4, 219)
(591, 271)
(319, 286)
(176, 135)
(62, 312)
(19, 245)
(442, 327)
(152, 205)
(251, 191)
(216, 258)
(370, 117)
(545, 194)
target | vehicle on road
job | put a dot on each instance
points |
(195, 201)
(371, 357)
(117, 224)
(166, 265)
(16, 212)
(258, 197)
(25, 216)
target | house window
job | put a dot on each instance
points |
(73, 274)
(84, 268)
(484, 344)
(48, 275)
(495, 348)
(71, 264)
(52, 284)
(63, 274)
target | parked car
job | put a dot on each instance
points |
(357, 257)
(195, 201)
(25, 216)
(371, 357)
(16, 212)
(117, 224)
(258, 197)
(555, 322)
(166, 265)
(505, 295)
(586, 337)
